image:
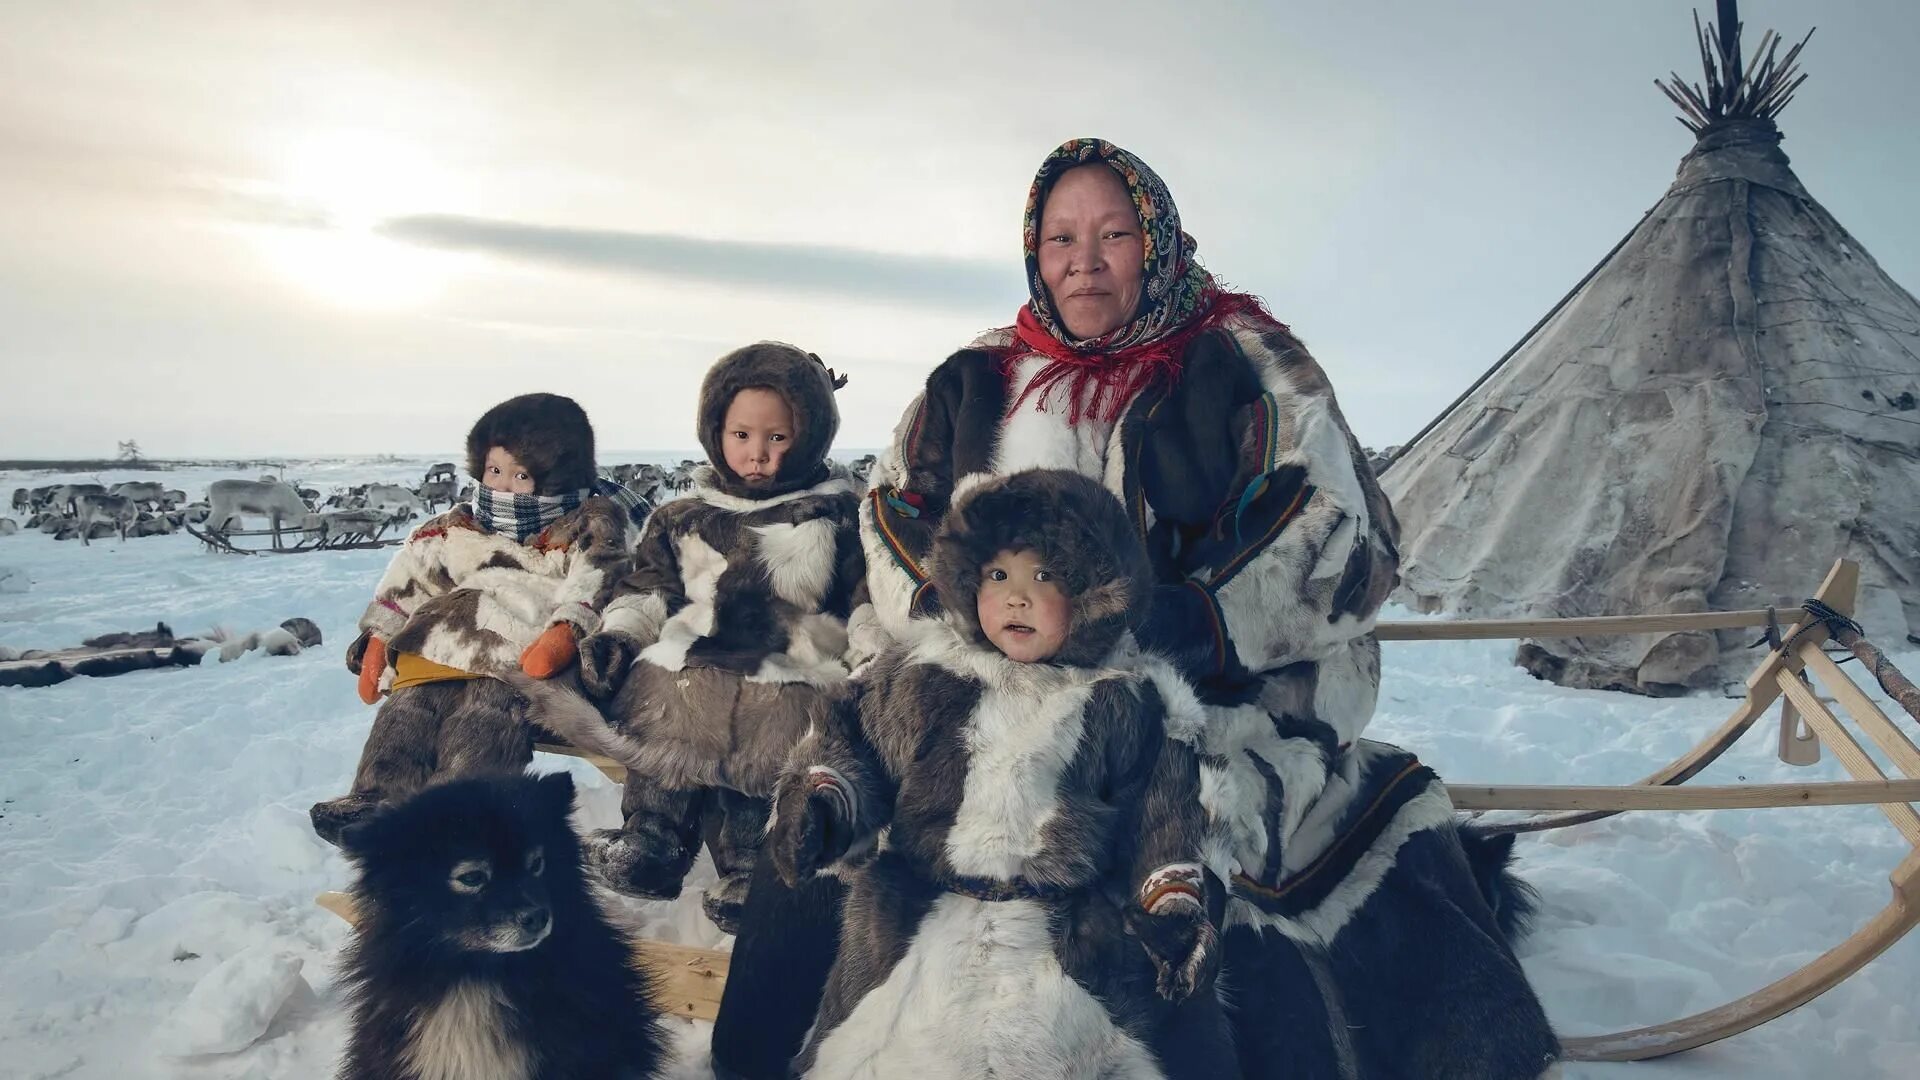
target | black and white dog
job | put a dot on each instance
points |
(479, 950)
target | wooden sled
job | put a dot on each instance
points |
(695, 977)
(304, 541)
(1792, 670)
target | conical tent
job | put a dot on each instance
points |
(1726, 405)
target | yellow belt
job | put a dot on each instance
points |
(412, 669)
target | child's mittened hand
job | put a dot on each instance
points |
(604, 660)
(551, 652)
(1184, 947)
(814, 825)
(373, 663)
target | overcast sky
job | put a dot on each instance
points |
(240, 229)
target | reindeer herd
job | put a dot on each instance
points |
(356, 513)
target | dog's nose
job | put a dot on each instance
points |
(534, 920)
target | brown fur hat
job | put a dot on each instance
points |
(806, 384)
(1078, 530)
(547, 434)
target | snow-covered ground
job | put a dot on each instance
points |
(157, 872)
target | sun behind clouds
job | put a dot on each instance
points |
(351, 180)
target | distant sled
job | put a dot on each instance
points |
(342, 530)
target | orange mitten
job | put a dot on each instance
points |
(372, 663)
(551, 652)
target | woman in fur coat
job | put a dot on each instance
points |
(1015, 803)
(1272, 548)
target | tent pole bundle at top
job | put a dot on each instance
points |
(1717, 410)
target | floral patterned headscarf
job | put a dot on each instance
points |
(1174, 286)
(1178, 298)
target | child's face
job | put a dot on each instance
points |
(756, 434)
(1022, 609)
(505, 475)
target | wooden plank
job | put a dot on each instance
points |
(1723, 797)
(608, 767)
(1847, 750)
(1776, 999)
(1891, 740)
(688, 983)
(1594, 626)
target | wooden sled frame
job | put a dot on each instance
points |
(693, 978)
(1790, 671)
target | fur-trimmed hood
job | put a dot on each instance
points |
(806, 384)
(547, 434)
(1080, 533)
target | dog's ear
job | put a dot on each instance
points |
(554, 793)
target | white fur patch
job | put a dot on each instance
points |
(1234, 794)
(980, 993)
(799, 559)
(1319, 926)
(816, 654)
(1041, 438)
(637, 615)
(1020, 740)
(465, 1036)
(838, 482)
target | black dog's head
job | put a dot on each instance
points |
(477, 865)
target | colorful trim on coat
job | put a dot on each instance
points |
(895, 547)
(1305, 889)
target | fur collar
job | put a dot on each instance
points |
(707, 488)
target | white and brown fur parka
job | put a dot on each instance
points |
(1008, 822)
(468, 597)
(736, 606)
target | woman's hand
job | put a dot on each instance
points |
(604, 660)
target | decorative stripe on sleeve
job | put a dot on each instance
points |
(828, 780)
(1170, 886)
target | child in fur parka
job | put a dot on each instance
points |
(498, 587)
(728, 640)
(1014, 803)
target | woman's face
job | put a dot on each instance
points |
(1091, 251)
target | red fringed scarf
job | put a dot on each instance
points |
(1117, 376)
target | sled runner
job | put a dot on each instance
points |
(1794, 666)
(303, 540)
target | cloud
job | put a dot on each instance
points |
(807, 269)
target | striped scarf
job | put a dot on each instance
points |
(525, 516)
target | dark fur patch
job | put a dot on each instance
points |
(1514, 902)
(574, 1000)
(547, 434)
